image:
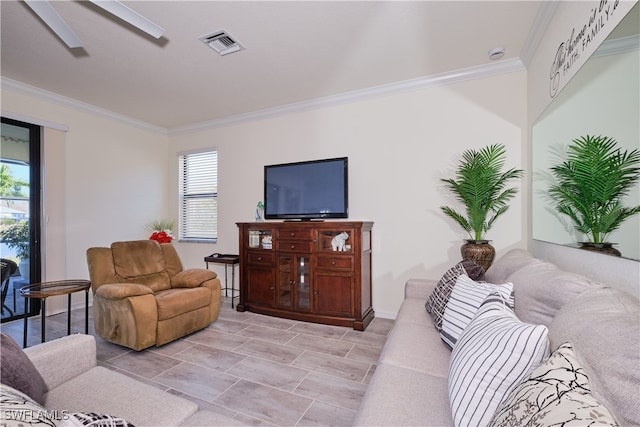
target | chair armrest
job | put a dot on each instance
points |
(64, 358)
(419, 288)
(192, 278)
(122, 290)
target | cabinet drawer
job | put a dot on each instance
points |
(261, 257)
(295, 234)
(293, 246)
(335, 262)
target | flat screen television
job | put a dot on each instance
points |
(315, 189)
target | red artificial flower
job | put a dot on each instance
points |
(161, 237)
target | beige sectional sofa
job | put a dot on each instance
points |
(75, 384)
(410, 386)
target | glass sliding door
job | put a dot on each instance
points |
(19, 213)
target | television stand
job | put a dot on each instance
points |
(291, 270)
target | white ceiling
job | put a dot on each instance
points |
(296, 51)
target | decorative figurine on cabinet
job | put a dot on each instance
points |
(338, 242)
(267, 242)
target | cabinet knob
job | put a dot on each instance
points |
(333, 262)
(293, 246)
(259, 258)
(315, 293)
(271, 288)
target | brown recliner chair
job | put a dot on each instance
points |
(143, 297)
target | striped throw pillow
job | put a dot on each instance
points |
(465, 300)
(437, 301)
(494, 354)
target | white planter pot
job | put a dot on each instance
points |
(25, 268)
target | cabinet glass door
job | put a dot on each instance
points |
(303, 300)
(293, 282)
(285, 282)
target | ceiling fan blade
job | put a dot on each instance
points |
(48, 14)
(130, 16)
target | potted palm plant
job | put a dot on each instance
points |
(481, 186)
(591, 185)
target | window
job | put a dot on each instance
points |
(198, 196)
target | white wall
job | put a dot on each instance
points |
(112, 178)
(398, 147)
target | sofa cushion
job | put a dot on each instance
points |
(18, 371)
(177, 301)
(466, 298)
(494, 354)
(604, 327)
(438, 299)
(141, 261)
(403, 397)
(556, 394)
(139, 403)
(416, 347)
(542, 289)
(412, 310)
(510, 262)
(19, 410)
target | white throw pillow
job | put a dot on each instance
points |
(493, 355)
(464, 302)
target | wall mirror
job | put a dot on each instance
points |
(603, 98)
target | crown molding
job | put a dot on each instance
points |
(16, 86)
(35, 121)
(456, 76)
(619, 45)
(540, 24)
(447, 78)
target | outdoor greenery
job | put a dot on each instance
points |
(14, 233)
(481, 186)
(16, 236)
(9, 186)
(591, 184)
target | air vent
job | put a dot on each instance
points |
(221, 42)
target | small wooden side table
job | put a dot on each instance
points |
(49, 289)
(226, 259)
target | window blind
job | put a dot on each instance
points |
(198, 196)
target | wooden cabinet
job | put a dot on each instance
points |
(312, 271)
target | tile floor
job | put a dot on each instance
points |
(260, 370)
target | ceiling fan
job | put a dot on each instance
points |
(50, 16)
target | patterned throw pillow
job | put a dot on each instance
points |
(437, 301)
(493, 355)
(464, 302)
(91, 419)
(557, 393)
(17, 409)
